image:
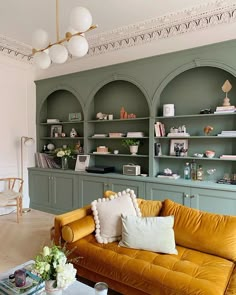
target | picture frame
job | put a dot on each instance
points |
(176, 145)
(82, 162)
(75, 117)
(56, 131)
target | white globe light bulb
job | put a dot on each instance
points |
(58, 54)
(42, 60)
(40, 39)
(80, 19)
(78, 46)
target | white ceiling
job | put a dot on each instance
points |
(116, 20)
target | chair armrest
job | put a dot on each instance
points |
(66, 218)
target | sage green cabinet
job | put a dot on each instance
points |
(52, 192)
(93, 187)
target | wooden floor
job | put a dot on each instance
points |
(20, 242)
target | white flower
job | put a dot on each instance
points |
(61, 154)
(66, 276)
(46, 251)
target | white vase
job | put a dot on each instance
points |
(50, 290)
(133, 149)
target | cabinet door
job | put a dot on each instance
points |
(91, 188)
(215, 201)
(40, 190)
(178, 194)
(64, 193)
(118, 185)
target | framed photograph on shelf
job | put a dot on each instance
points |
(75, 116)
(56, 130)
(178, 147)
(82, 162)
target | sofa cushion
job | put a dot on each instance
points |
(148, 233)
(189, 272)
(78, 229)
(149, 207)
(207, 232)
(107, 214)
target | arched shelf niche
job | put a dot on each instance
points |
(116, 94)
(196, 89)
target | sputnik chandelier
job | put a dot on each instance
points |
(73, 43)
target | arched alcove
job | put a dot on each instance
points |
(196, 89)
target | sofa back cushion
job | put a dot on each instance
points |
(206, 232)
(149, 208)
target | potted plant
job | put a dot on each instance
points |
(132, 144)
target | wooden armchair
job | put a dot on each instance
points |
(11, 194)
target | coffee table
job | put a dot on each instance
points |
(74, 289)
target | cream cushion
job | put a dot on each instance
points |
(149, 233)
(107, 214)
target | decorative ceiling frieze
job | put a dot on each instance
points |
(181, 22)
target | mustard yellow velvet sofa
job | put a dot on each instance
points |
(205, 264)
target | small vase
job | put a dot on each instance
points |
(64, 163)
(50, 290)
(133, 149)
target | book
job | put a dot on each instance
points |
(159, 129)
(33, 285)
(225, 108)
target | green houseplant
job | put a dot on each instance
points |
(132, 144)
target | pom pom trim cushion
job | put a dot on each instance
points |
(107, 214)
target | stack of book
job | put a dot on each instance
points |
(228, 157)
(225, 110)
(43, 160)
(159, 129)
(228, 133)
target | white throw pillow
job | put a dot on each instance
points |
(107, 214)
(149, 233)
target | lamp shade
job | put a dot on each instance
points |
(78, 46)
(80, 19)
(28, 141)
(58, 54)
(42, 60)
(40, 39)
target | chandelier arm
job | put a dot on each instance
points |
(67, 38)
(57, 20)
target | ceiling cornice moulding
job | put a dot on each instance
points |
(181, 22)
(167, 26)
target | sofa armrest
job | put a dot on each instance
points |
(67, 218)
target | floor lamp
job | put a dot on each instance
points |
(24, 141)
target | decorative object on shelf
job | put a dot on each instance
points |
(116, 134)
(79, 148)
(64, 153)
(207, 129)
(132, 144)
(116, 152)
(187, 171)
(168, 110)
(178, 132)
(157, 146)
(178, 147)
(51, 147)
(63, 134)
(122, 112)
(211, 172)
(193, 167)
(110, 117)
(125, 115)
(135, 134)
(20, 277)
(56, 130)
(200, 173)
(53, 121)
(73, 133)
(82, 162)
(206, 111)
(73, 43)
(226, 89)
(197, 155)
(159, 129)
(75, 116)
(102, 149)
(131, 169)
(210, 154)
(168, 174)
(101, 116)
(52, 267)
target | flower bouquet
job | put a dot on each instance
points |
(52, 267)
(64, 153)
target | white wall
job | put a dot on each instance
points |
(17, 117)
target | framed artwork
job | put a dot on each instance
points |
(178, 147)
(82, 162)
(75, 116)
(56, 130)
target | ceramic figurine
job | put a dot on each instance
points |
(73, 132)
(226, 88)
(207, 129)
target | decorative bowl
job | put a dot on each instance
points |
(209, 154)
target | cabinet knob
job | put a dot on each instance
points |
(186, 195)
(192, 196)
